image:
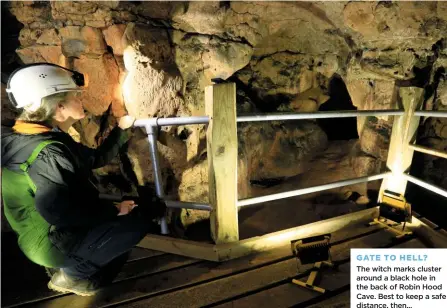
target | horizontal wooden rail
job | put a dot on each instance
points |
(233, 250)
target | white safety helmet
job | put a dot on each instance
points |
(28, 85)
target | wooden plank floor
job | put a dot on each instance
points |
(154, 279)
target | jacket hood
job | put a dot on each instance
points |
(22, 127)
(17, 147)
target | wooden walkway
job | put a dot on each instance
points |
(155, 279)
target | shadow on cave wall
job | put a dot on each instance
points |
(335, 129)
(10, 42)
(342, 128)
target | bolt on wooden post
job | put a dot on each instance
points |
(400, 154)
(220, 106)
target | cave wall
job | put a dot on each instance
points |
(155, 58)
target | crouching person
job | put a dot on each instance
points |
(48, 197)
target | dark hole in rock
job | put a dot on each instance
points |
(225, 4)
(386, 4)
(267, 182)
(270, 103)
(171, 182)
(439, 45)
(203, 156)
(184, 134)
(110, 49)
(342, 128)
(10, 41)
(421, 76)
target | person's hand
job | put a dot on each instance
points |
(125, 207)
(126, 122)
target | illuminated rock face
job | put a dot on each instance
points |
(155, 59)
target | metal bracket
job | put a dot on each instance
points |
(391, 227)
(313, 276)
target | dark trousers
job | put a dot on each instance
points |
(107, 245)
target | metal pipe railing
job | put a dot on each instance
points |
(152, 138)
(426, 185)
(151, 125)
(309, 190)
(171, 121)
(183, 121)
(188, 205)
(270, 117)
(437, 114)
(426, 150)
(318, 115)
(153, 149)
(169, 203)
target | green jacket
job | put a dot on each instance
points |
(51, 204)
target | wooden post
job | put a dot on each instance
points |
(220, 106)
(400, 154)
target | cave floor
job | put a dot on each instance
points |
(156, 279)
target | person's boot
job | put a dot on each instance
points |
(61, 282)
